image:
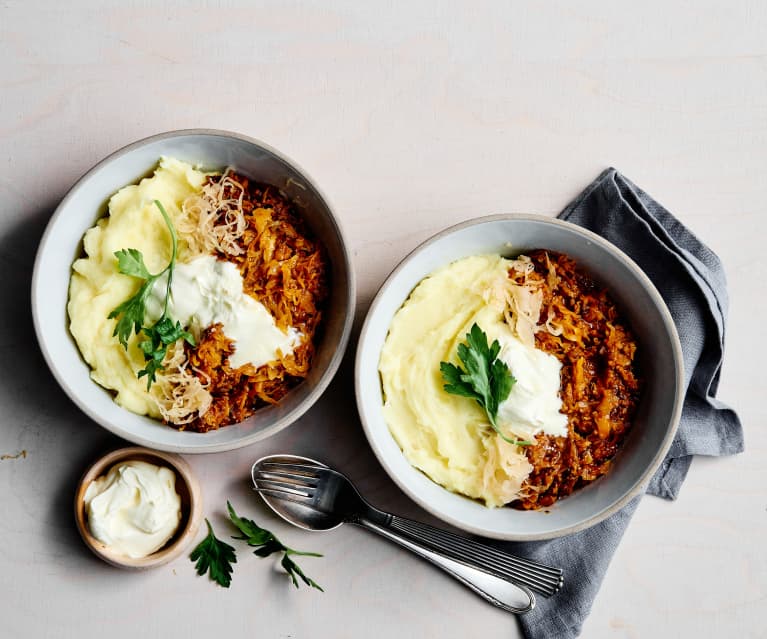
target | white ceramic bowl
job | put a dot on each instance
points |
(660, 358)
(86, 202)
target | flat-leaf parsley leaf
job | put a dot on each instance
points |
(214, 557)
(486, 378)
(130, 314)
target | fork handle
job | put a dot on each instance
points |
(499, 591)
(539, 577)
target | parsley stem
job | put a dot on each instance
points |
(497, 429)
(174, 250)
(290, 551)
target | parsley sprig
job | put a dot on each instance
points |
(216, 557)
(486, 379)
(266, 544)
(130, 314)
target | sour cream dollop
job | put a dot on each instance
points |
(533, 405)
(134, 509)
(209, 291)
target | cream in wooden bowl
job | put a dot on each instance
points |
(138, 508)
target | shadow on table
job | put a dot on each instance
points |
(58, 439)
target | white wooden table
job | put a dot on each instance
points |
(411, 118)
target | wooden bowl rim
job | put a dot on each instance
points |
(181, 538)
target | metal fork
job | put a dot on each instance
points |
(323, 499)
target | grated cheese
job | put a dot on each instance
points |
(523, 301)
(504, 472)
(213, 220)
(181, 396)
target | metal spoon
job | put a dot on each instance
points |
(308, 494)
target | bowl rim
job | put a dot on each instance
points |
(285, 420)
(167, 553)
(668, 322)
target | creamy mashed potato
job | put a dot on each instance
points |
(446, 436)
(96, 287)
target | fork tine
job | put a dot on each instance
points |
(286, 488)
(298, 480)
(308, 469)
(279, 494)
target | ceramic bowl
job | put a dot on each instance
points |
(188, 490)
(660, 359)
(86, 202)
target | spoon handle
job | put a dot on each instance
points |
(499, 591)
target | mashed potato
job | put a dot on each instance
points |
(97, 287)
(446, 436)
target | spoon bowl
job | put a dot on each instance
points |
(294, 512)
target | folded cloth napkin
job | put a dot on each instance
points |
(691, 280)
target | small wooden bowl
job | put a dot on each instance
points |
(187, 488)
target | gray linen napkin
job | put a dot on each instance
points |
(691, 280)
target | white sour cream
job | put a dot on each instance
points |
(534, 402)
(208, 291)
(134, 509)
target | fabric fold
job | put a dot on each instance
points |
(691, 280)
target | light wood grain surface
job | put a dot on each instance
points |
(412, 116)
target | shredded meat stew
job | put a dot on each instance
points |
(285, 269)
(599, 382)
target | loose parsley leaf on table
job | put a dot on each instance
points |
(266, 544)
(486, 379)
(130, 314)
(215, 557)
